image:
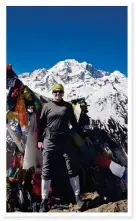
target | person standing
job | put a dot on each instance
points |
(54, 139)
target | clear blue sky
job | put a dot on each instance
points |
(39, 37)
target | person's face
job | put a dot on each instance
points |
(57, 95)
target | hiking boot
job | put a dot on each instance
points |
(44, 206)
(79, 201)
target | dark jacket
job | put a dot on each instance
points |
(54, 120)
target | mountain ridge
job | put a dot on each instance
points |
(105, 92)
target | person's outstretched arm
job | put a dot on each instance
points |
(73, 121)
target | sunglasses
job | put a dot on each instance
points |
(60, 92)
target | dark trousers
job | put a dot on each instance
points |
(54, 151)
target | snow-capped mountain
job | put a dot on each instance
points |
(105, 92)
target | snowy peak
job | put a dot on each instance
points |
(24, 75)
(105, 92)
(67, 71)
(67, 67)
(71, 66)
(118, 74)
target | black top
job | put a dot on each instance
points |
(54, 119)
